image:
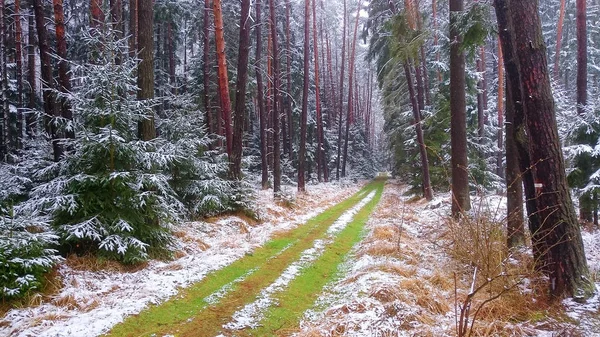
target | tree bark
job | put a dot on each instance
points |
(321, 167)
(64, 78)
(458, 117)
(145, 73)
(581, 56)
(350, 82)
(19, 75)
(288, 136)
(480, 101)
(341, 98)
(4, 108)
(303, 117)
(223, 76)
(206, 67)
(30, 121)
(427, 192)
(559, 33)
(240, 90)
(275, 65)
(50, 108)
(261, 106)
(96, 13)
(500, 137)
(133, 27)
(565, 257)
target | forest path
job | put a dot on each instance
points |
(266, 292)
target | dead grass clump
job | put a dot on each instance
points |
(397, 269)
(94, 263)
(385, 233)
(425, 296)
(441, 281)
(381, 248)
(386, 294)
(68, 301)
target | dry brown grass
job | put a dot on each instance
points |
(384, 233)
(94, 264)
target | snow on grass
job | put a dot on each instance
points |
(90, 303)
(251, 314)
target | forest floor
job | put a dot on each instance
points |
(340, 260)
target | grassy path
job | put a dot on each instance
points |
(203, 309)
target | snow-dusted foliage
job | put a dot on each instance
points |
(24, 252)
(111, 192)
(198, 175)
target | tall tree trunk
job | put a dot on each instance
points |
(64, 78)
(96, 13)
(50, 108)
(350, 82)
(145, 72)
(30, 120)
(500, 137)
(275, 64)
(565, 257)
(133, 27)
(261, 106)
(514, 184)
(341, 98)
(427, 192)
(458, 117)
(288, 136)
(206, 67)
(116, 17)
(4, 108)
(19, 75)
(435, 39)
(321, 166)
(171, 52)
(303, 117)
(480, 101)
(518, 133)
(423, 65)
(223, 76)
(240, 91)
(559, 33)
(581, 56)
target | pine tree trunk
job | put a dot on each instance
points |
(435, 38)
(170, 44)
(480, 103)
(427, 192)
(276, 72)
(19, 75)
(458, 121)
(518, 134)
(565, 258)
(499, 134)
(50, 107)
(288, 134)
(304, 114)
(64, 78)
(341, 98)
(206, 67)
(133, 27)
(425, 77)
(559, 33)
(581, 56)
(321, 167)
(223, 76)
(350, 82)
(261, 105)
(116, 18)
(30, 120)
(96, 13)
(4, 108)
(240, 91)
(145, 73)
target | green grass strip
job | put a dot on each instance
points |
(189, 306)
(302, 292)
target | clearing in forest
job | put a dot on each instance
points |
(267, 291)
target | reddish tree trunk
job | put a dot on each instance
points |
(341, 98)
(581, 56)
(276, 72)
(145, 73)
(64, 78)
(30, 120)
(4, 106)
(223, 76)
(458, 118)
(350, 82)
(240, 91)
(261, 106)
(303, 116)
(427, 192)
(96, 13)
(288, 134)
(133, 27)
(321, 167)
(559, 33)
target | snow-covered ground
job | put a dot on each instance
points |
(399, 281)
(90, 303)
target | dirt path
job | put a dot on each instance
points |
(266, 292)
